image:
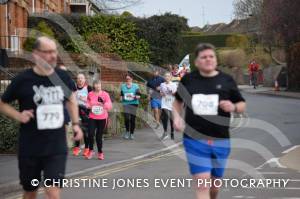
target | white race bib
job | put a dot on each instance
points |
(167, 102)
(50, 116)
(129, 96)
(205, 104)
(97, 110)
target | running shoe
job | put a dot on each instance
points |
(101, 156)
(85, 152)
(126, 135)
(90, 155)
(131, 136)
(164, 136)
(157, 126)
(76, 151)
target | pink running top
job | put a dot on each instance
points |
(99, 105)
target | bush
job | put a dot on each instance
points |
(100, 43)
(9, 135)
(237, 41)
(232, 58)
(119, 30)
(191, 40)
(163, 33)
(261, 57)
(42, 29)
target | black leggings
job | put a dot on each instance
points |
(165, 116)
(129, 115)
(83, 113)
(84, 128)
(98, 127)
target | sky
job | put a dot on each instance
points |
(215, 11)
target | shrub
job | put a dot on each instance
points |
(163, 33)
(232, 58)
(237, 41)
(119, 30)
(8, 134)
(261, 57)
(42, 29)
(100, 43)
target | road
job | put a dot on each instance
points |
(272, 132)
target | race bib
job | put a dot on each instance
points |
(205, 104)
(167, 102)
(50, 116)
(97, 110)
(129, 96)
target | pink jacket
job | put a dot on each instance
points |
(98, 110)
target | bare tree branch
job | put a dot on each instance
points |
(113, 5)
(247, 8)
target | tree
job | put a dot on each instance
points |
(163, 33)
(243, 9)
(113, 5)
(280, 21)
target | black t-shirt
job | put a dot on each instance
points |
(219, 87)
(32, 91)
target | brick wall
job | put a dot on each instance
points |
(112, 69)
(18, 15)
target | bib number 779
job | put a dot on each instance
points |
(50, 116)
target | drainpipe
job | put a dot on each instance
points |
(33, 6)
(6, 25)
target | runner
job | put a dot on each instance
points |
(99, 103)
(155, 97)
(167, 90)
(175, 73)
(184, 70)
(42, 93)
(82, 92)
(210, 96)
(130, 95)
(253, 72)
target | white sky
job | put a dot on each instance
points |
(215, 11)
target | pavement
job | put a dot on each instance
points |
(116, 150)
(267, 145)
(269, 91)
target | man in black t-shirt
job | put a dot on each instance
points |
(210, 97)
(42, 94)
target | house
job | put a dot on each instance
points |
(88, 7)
(14, 16)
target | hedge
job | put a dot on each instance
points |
(192, 39)
(9, 135)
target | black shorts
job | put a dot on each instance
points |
(53, 168)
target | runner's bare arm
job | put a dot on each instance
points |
(240, 107)
(228, 106)
(177, 112)
(9, 111)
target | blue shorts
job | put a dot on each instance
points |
(156, 103)
(206, 156)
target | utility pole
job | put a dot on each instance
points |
(203, 16)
